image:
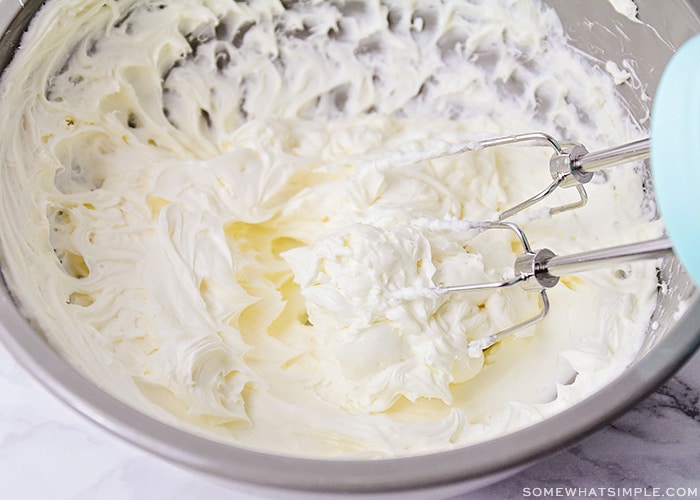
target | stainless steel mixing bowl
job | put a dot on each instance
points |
(597, 30)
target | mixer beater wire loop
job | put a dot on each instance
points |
(538, 270)
(561, 177)
(527, 274)
(571, 165)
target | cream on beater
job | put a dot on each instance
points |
(197, 210)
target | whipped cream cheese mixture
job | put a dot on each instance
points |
(208, 207)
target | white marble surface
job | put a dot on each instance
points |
(49, 452)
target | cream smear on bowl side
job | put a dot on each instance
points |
(198, 212)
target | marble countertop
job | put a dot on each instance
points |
(47, 451)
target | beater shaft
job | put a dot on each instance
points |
(561, 265)
(598, 160)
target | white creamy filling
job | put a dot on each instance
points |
(208, 207)
(627, 8)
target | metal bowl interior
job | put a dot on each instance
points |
(596, 29)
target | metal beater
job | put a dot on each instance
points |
(571, 165)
